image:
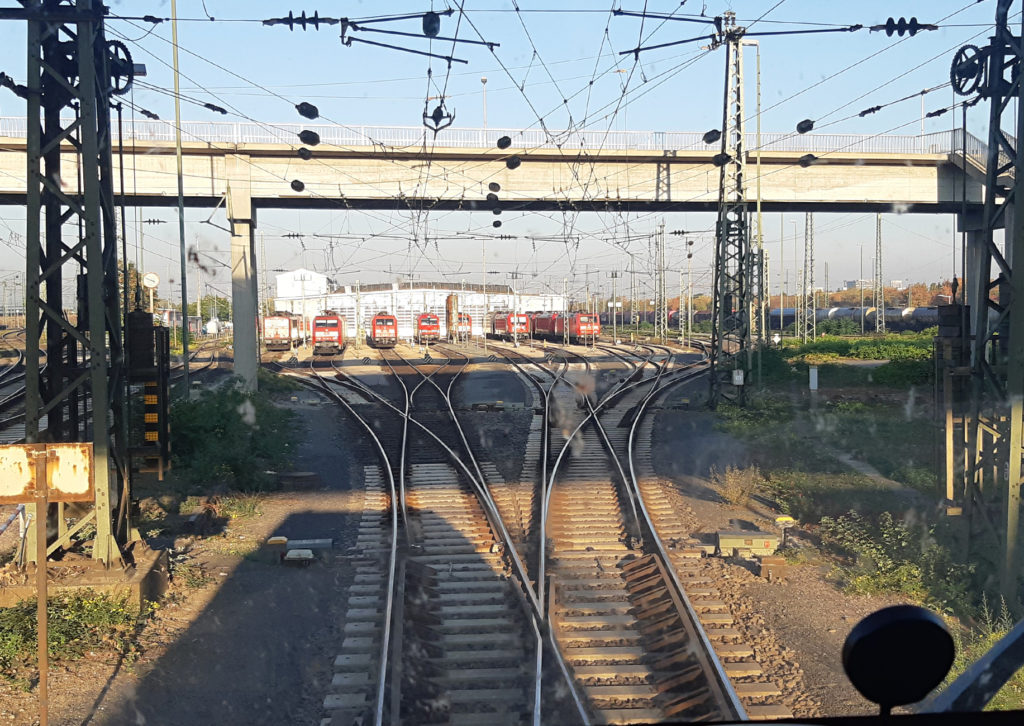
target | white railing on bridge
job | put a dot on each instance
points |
(569, 141)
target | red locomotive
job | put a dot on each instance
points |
(464, 328)
(428, 328)
(328, 334)
(383, 331)
(581, 327)
(510, 326)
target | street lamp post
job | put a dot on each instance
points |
(483, 87)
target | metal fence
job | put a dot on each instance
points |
(570, 141)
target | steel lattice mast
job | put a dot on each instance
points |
(71, 238)
(991, 453)
(730, 332)
(810, 324)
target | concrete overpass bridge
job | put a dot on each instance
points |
(369, 167)
(257, 166)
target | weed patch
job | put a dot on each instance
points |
(232, 438)
(736, 485)
(77, 624)
(974, 641)
(190, 574)
(887, 555)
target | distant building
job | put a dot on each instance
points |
(172, 319)
(898, 284)
(856, 284)
(297, 283)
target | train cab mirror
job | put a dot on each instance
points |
(898, 655)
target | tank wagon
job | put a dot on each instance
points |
(896, 319)
(328, 334)
(383, 331)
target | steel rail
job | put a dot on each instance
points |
(494, 516)
(497, 522)
(446, 395)
(717, 677)
(12, 367)
(612, 393)
(393, 557)
(405, 446)
(729, 698)
(552, 640)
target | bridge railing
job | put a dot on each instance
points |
(569, 141)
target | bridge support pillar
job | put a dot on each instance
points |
(242, 217)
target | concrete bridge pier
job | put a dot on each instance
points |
(242, 218)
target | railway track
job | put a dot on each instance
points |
(478, 623)
(12, 393)
(463, 633)
(671, 551)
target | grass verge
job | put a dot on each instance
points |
(79, 623)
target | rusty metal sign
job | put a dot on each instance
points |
(69, 472)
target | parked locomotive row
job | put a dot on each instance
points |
(328, 332)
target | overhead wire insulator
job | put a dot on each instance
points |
(216, 108)
(307, 110)
(903, 27)
(869, 111)
(937, 112)
(431, 24)
(291, 21)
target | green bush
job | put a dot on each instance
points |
(232, 438)
(842, 326)
(886, 555)
(905, 373)
(894, 347)
(76, 623)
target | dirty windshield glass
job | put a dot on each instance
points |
(483, 362)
